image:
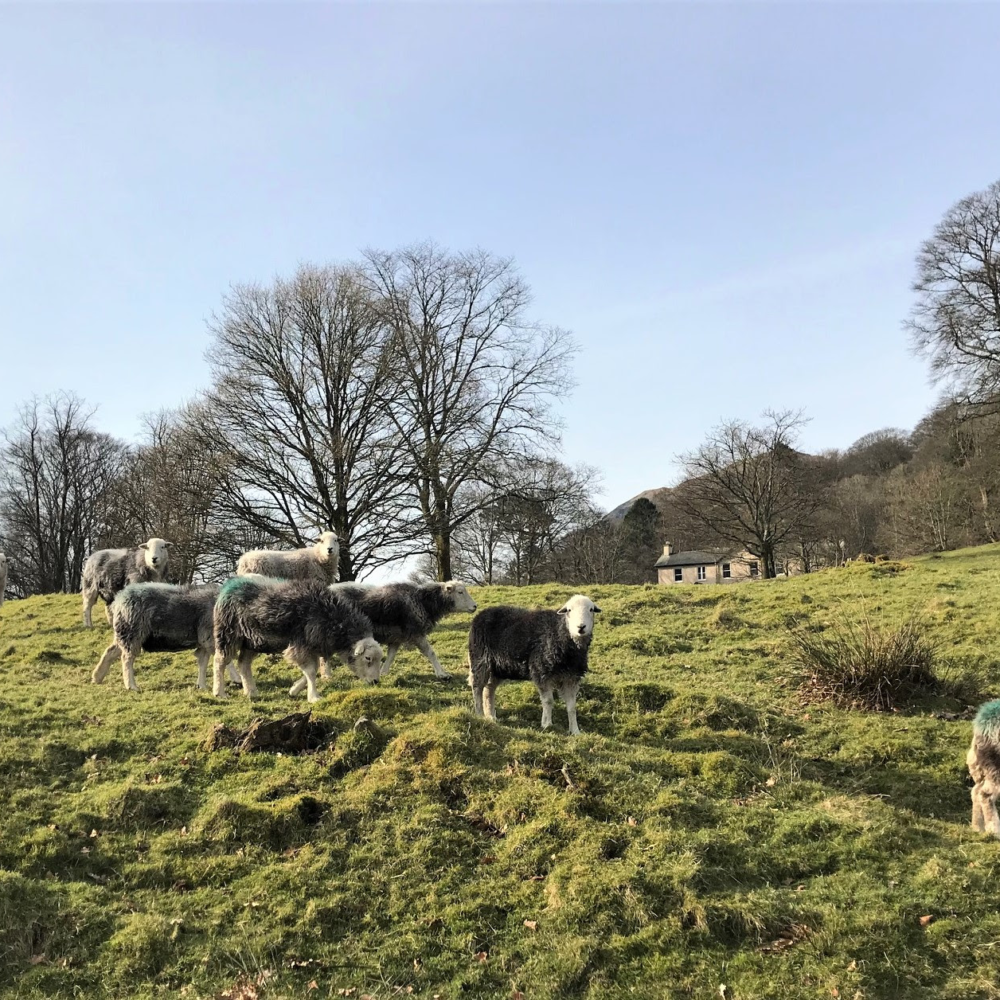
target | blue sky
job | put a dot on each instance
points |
(722, 202)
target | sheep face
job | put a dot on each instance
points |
(327, 547)
(155, 553)
(579, 614)
(365, 659)
(461, 599)
(3, 563)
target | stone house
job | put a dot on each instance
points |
(706, 567)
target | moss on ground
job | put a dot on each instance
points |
(709, 827)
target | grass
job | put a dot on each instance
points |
(710, 827)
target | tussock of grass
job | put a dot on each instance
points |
(706, 828)
(864, 663)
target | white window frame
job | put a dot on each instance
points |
(701, 573)
(727, 571)
(678, 574)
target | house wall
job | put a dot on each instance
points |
(665, 574)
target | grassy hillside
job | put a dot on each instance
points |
(708, 829)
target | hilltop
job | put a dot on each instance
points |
(708, 829)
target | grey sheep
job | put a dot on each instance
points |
(404, 614)
(3, 578)
(303, 619)
(983, 761)
(548, 648)
(160, 618)
(107, 571)
(316, 562)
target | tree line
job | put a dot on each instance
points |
(407, 400)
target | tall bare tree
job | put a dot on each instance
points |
(955, 321)
(476, 378)
(57, 485)
(748, 486)
(302, 398)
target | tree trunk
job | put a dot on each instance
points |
(442, 546)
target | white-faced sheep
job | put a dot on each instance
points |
(3, 577)
(548, 648)
(160, 618)
(983, 760)
(315, 562)
(107, 571)
(303, 619)
(404, 614)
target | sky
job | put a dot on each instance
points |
(722, 202)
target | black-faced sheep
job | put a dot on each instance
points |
(160, 618)
(983, 760)
(404, 614)
(107, 571)
(316, 562)
(548, 648)
(303, 619)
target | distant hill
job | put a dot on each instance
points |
(658, 497)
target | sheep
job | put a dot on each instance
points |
(403, 614)
(983, 761)
(316, 562)
(108, 571)
(3, 577)
(159, 618)
(547, 647)
(303, 618)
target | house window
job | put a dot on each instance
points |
(678, 574)
(701, 572)
(727, 571)
(754, 570)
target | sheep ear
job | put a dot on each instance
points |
(144, 546)
(597, 610)
(564, 610)
(168, 545)
(449, 587)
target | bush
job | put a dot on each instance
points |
(867, 664)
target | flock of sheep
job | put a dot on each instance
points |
(289, 603)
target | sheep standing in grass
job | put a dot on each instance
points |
(548, 648)
(3, 577)
(160, 618)
(983, 760)
(303, 619)
(403, 614)
(107, 571)
(316, 562)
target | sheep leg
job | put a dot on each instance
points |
(244, 664)
(219, 673)
(298, 687)
(477, 699)
(978, 819)
(89, 600)
(425, 647)
(128, 674)
(489, 703)
(324, 668)
(569, 692)
(107, 614)
(104, 664)
(389, 657)
(548, 700)
(202, 656)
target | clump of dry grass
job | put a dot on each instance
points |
(865, 663)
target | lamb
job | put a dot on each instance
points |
(302, 618)
(3, 577)
(547, 647)
(983, 761)
(160, 618)
(316, 562)
(404, 614)
(107, 571)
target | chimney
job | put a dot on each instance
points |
(666, 549)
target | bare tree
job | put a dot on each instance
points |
(476, 378)
(303, 400)
(56, 493)
(955, 321)
(747, 485)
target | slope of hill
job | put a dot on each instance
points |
(708, 834)
(656, 496)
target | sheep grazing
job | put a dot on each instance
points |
(3, 577)
(107, 571)
(160, 618)
(303, 619)
(403, 614)
(548, 648)
(316, 562)
(983, 761)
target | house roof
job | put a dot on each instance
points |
(693, 558)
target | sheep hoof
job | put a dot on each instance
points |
(444, 678)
